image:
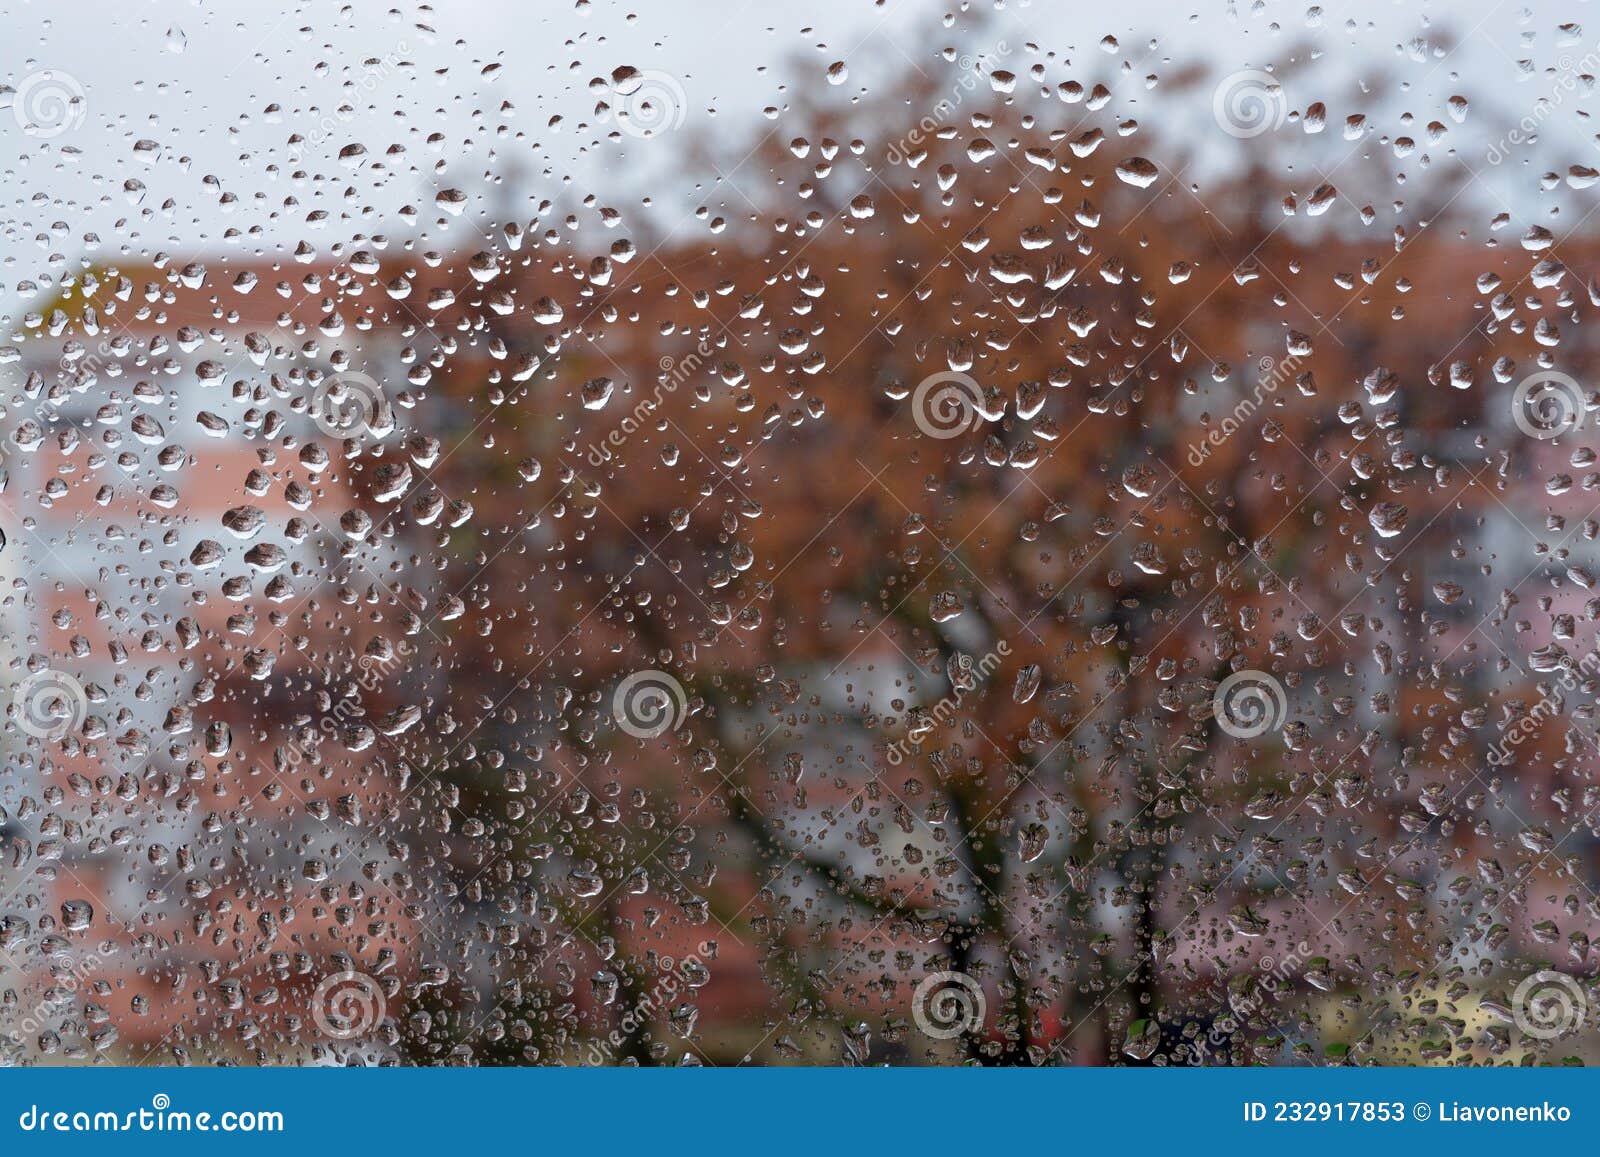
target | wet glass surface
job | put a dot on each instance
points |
(901, 534)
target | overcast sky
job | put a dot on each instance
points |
(198, 79)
